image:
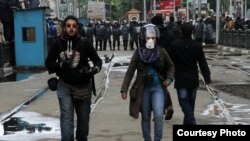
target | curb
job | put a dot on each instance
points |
(234, 49)
(102, 90)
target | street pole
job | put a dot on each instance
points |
(144, 10)
(187, 11)
(67, 3)
(230, 8)
(245, 8)
(194, 9)
(75, 9)
(174, 10)
(199, 8)
(217, 21)
(154, 7)
(57, 8)
(242, 8)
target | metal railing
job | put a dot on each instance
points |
(235, 38)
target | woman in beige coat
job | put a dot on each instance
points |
(155, 72)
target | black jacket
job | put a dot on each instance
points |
(187, 54)
(84, 52)
(166, 37)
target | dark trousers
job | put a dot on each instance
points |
(98, 42)
(105, 44)
(67, 106)
(186, 97)
(116, 40)
(125, 44)
(132, 44)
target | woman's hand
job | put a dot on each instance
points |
(124, 95)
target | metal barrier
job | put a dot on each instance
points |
(235, 38)
(5, 51)
(248, 40)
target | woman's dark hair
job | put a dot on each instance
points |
(70, 17)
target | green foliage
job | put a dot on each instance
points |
(120, 7)
(212, 4)
(223, 3)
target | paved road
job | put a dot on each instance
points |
(109, 119)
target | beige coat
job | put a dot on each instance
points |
(164, 66)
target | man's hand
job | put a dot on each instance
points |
(208, 82)
(92, 70)
(166, 83)
(124, 95)
(65, 65)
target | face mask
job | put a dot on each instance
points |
(150, 44)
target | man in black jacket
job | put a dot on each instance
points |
(186, 54)
(68, 58)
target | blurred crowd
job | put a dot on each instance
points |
(114, 35)
(238, 23)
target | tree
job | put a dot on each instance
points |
(224, 4)
(120, 7)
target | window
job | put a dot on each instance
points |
(29, 34)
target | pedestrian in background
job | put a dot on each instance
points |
(90, 30)
(81, 30)
(107, 35)
(99, 35)
(133, 34)
(58, 26)
(125, 34)
(116, 33)
(208, 31)
(51, 31)
(187, 54)
(199, 30)
(155, 72)
(174, 27)
(68, 58)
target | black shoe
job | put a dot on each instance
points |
(169, 114)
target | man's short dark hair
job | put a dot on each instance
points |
(70, 17)
(171, 18)
(187, 29)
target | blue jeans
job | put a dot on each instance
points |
(186, 97)
(67, 106)
(153, 100)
